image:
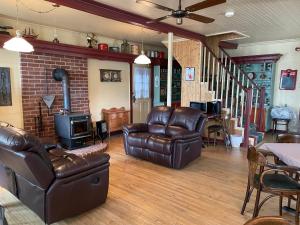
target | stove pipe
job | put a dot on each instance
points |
(62, 75)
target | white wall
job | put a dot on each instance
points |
(12, 114)
(289, 60)
(105, 95)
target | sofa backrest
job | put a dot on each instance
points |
(158, 119)
(183, 120)
(26, 156)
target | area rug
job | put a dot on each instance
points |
(90, 149)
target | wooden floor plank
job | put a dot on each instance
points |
(209, 191)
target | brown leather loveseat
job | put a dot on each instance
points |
(54, 184)
(170, 137)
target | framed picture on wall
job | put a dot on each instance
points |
(288, 79)
(190, 73)
(5, 87)
(110, 75)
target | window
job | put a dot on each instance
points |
(141, 82)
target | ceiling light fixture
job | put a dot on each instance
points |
(18, 43)
(142, 59)
(229, 13)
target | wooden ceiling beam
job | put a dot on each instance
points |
(103, 10)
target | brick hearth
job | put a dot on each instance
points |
(34, 69)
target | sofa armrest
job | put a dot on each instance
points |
(135, 127)
(66, 164)
(186, 136)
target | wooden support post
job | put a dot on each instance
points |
(248, 108)
(170, 68)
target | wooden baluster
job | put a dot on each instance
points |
(261, 108)
(227, 86)
(242, 107)
(213, 76)
(223, 81)
(208, 70)
(204, 64)
(232, 92)
(218, 80)
(237, 95)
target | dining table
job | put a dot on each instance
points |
(289, 153)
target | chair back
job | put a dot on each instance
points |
(158, 119)
(288, 138)
(267, 220)
(183, 120)
(256, 164)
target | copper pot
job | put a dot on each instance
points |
(103, 47)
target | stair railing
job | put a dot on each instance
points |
(219, 76)
(258, 98)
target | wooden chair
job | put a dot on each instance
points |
(272, 179)
(268, 220)
(222, 127)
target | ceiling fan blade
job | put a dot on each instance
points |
(204, 4)
(202, 19)
(154, 5)
(6, 27)
(158, 19)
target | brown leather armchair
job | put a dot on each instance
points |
(54, 184)
(170, 137)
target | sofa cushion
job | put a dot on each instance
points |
(138, 139)
(158, 119)
(183, 119)
(160, 144)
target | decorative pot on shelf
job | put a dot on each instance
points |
(114, 49)
(103, 47)
(125, 47)
(134, 49)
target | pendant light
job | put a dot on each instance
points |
(18, 43)
(142, 59)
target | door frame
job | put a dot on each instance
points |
(131, 88)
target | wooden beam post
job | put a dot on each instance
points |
(170, 68)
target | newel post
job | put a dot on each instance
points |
(261, 109)
(248, 109)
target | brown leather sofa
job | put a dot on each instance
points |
(170, 137)
(54, 184)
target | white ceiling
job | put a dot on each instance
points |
(261, 20)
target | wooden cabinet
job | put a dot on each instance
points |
(116, 118)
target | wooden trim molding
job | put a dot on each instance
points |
(256, 58)
(103, 10)
(73, 50)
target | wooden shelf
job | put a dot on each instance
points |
(73, 50)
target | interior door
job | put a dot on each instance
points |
(141, 96)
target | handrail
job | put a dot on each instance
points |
(227, 70)
(251, 81)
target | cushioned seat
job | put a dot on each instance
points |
(279, 181)
(139, 139)
(160, 144)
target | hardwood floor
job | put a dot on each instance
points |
(209, 191)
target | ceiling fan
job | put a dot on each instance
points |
(180, 13)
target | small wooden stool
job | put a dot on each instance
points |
(284, 122)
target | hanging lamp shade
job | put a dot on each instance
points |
(18, 44)
(142, 59)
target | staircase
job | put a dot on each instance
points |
(223, 80)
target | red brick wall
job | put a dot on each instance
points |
(34, 69)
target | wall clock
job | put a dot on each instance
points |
(251, 75)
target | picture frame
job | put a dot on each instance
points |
(5, 87)
(190, 73)
(288, 79)
(107, 75)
